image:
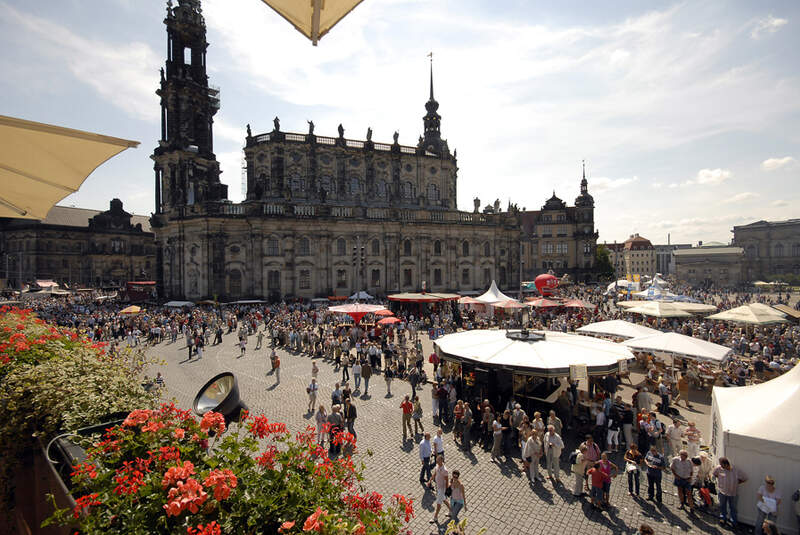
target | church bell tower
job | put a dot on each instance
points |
(186, 169)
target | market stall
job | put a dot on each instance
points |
(528, 366)
(756, 428)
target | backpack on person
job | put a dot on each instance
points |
(573, 457)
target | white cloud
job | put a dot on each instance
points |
(602, 183)
(769, 24)
(712, 177)
(740, 197)
(123, 75)
(771, 164)
(780, 203)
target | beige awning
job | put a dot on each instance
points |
(313, 18)
(753, 314)
(40, 164)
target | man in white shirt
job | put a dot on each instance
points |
(674, 435)
(438, 444)
(312, 390)
(425, 457)
(553, 446)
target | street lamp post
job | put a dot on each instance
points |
(359, 261)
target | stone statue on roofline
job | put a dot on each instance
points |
(310, 128)
(341, 130)
(277, 123)
(476, 202)
(369, 133)
(396, 135)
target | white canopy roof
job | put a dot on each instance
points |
(618, 328)
(493, 295)
(680, 345)
(654, 292)
(622, 284)
(754, 314)
(178, 304)
(660, 309)
(766, 411)
(550, 354)
(361, 295)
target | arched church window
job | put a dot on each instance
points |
(487, 249)
(341, 247)
(465, 248)
(407, 247)
(433, 192)
(437, 248)
(779, 249)
(376, 247)
(380, 189)
(272, 247)
(408, 190)
(304, 247)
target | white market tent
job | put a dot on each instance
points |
(622, 284)
(493, 295)
(617, 328)
(178, 304)
(694, 308)
(361, 295)
(655, 292)
(756, 428)
(659, 282)
(544, 354)
(680, 345)
(753, 314)
(659, 309)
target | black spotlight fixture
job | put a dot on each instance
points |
(220, 394)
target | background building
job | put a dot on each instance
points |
(770, 248)
(634, 256)
(709, 266)
(76, 245)
(332, 215)
(665, 261)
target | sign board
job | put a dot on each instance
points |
(578, 372)
(623, 366)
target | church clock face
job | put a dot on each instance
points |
(409, 167)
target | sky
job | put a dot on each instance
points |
(686, 113)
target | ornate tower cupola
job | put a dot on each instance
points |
(187, 172)
(584, 200)
(432, 138)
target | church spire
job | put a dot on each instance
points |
(432, 136)
(584, 199)
(431, 56)
(584, 183)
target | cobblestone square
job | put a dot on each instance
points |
(499, 497)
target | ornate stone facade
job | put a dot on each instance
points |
(79, 246)
(770, 248)
(332, 215)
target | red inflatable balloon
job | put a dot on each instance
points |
(546, 284)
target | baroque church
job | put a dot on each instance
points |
(331, 215)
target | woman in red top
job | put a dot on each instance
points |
(598, 478)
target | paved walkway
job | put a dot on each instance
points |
(499, 497)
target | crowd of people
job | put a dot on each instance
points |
(620, 437)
